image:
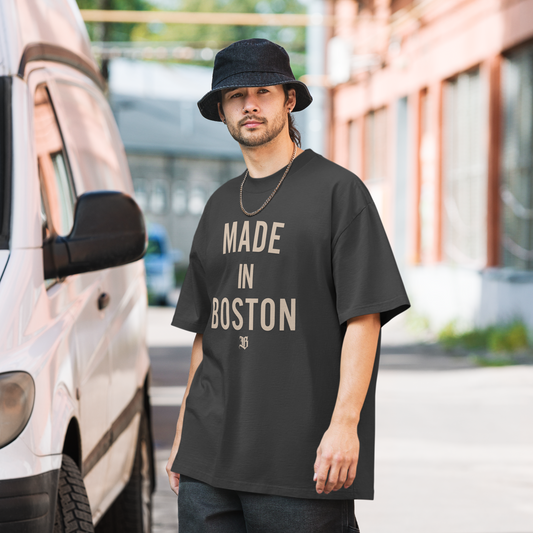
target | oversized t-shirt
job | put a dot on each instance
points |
(271, 295)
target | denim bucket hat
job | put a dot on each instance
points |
(251, 63)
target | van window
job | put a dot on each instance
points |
(57, 192)
(93, 139)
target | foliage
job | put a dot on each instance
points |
(112, 31)
(417, 323)
(201, 35)
(505, 338)
(509, 339)
(209, 35)
(219, 36)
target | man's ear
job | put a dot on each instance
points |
(291, 99)
(221, 113)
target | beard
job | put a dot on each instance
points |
(252, 138)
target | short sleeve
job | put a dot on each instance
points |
(365, 274)
(193, 308)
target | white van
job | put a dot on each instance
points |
(75, 437)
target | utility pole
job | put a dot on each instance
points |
(316, 127)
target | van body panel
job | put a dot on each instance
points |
(20, 462)
(119, 472)
(26, 207)
(95, 485)
(4, 70)
(26, 313)
(128, 350)
(56, 22)
(36, 330)
(10, 38)
(4, 257)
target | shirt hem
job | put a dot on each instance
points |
(194, 327)
(399, 303)
(275, 490)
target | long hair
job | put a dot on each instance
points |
(294, 134)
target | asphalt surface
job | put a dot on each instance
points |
(454, 442)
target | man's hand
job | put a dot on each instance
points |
(173, 478)
(337, 455)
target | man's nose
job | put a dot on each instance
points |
(250, 104)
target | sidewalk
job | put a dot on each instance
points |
(454, 450)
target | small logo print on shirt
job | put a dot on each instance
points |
(244, 343)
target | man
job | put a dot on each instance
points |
(291, 277)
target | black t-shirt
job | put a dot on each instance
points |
(271, 294)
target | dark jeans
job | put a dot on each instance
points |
(206, 509)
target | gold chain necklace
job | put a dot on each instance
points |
(273, 192)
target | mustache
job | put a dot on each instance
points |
(252, 118)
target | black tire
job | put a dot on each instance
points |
(131, 512)
(73, 513)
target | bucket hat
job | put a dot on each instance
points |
(251, 63)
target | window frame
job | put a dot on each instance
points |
(507, 200)
(53, 231)
(6, 161)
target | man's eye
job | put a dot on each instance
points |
(235, 95)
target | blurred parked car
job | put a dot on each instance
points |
(75, 433)
(159, 261)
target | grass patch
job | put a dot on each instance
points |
(502, 340)
(490, 361)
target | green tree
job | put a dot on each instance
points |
(201, 35)
(219, 36)
(109, 31)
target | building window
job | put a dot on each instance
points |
(179, 199)
(517, 172)
(197, 200)
(159, 197)
(142, 192)
(465, 170)
(375, 160)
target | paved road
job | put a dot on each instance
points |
(454, 449)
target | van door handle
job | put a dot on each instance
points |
(103, 300)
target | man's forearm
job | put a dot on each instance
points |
(357, 361)
(338, 452)
(196, 358)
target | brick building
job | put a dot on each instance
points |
(433, 107)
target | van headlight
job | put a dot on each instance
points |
(17, 393)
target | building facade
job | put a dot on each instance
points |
(432, 106)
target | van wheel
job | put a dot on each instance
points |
(132, 510)
(73, 513)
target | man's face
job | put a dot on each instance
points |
(256, 115)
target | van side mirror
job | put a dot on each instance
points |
(108, 231)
